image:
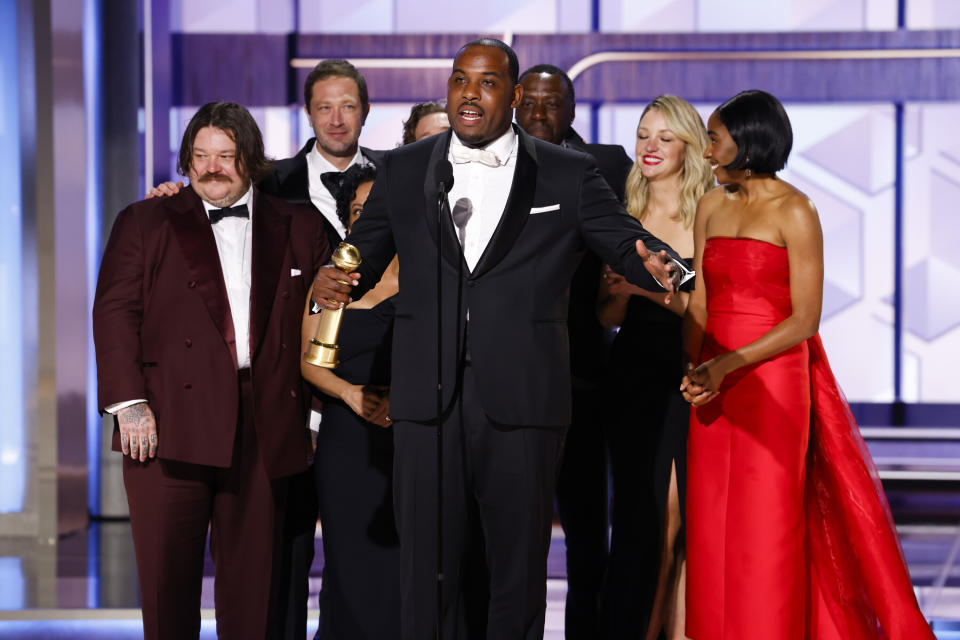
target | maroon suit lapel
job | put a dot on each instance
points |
(191, 226)
(271, 232)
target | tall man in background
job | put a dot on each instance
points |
(547, 111)
(513, 230)
(337, 103)
(196, 322)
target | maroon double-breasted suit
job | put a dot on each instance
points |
(164, 332)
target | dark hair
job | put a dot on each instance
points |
(235, 121)
(417, 112)
(350, 180)
(336, 68)
(551, 70)
(761, 129)
(512, 61)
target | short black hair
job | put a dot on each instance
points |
(759, 126)
(236, 121)
(350, 180)
(551, 70)
(512, 61)
(336, 68)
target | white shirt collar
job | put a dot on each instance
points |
(504, 147)
(244, 199)
(320, 165)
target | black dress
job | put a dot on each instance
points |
(648, 432)
(360, 591)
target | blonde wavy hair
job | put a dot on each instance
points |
(696, 177)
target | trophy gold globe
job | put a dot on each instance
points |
(324, 349)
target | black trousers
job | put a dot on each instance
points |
(296, 555)
(582, 499)
(498, 484)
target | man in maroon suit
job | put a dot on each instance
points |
(197, 329)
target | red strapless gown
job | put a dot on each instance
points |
(789, 533)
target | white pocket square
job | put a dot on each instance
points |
(294, 272)
(549, 207)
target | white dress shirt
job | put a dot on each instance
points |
(234, 238)
(321, 198)
(484, 190)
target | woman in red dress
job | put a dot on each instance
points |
(789, 533)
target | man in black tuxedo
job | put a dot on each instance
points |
(336, 102)
(523, 212)
(547, 111)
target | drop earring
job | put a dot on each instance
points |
(747, 165)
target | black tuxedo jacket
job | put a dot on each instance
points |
(517, 295)
(588, 341)
(288, 181)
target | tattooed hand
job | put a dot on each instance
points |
(138, 431)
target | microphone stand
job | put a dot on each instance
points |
(441, 198)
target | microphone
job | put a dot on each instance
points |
(444, 176)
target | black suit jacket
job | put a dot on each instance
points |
(289, 181)
(588, 341)
(517, 295)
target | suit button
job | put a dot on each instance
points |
(284, 294)
(188, 343)
(187, 386)
(283, 345)
(192, 284)
(293, 394)
(471, 283)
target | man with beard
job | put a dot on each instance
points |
(513, 229)
(196, 322)
(547, 111)
(336, 102)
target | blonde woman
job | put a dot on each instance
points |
(667, 180)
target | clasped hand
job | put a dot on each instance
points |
(700, 385)
(332, 287)
(370, 402)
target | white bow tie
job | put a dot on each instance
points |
(462, 155)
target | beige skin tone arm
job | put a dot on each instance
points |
(695, 316)
(799, 228)
(368, 402)
(614, 296)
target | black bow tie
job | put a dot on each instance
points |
(333, 181)
(239, 211)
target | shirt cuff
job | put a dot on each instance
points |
(313, 423)
(114, 408)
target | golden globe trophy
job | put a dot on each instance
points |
(323, 350)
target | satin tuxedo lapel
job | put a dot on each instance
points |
(295, 188)
(192, 229)
(517, 211)
(271, 231)
(450, 245)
